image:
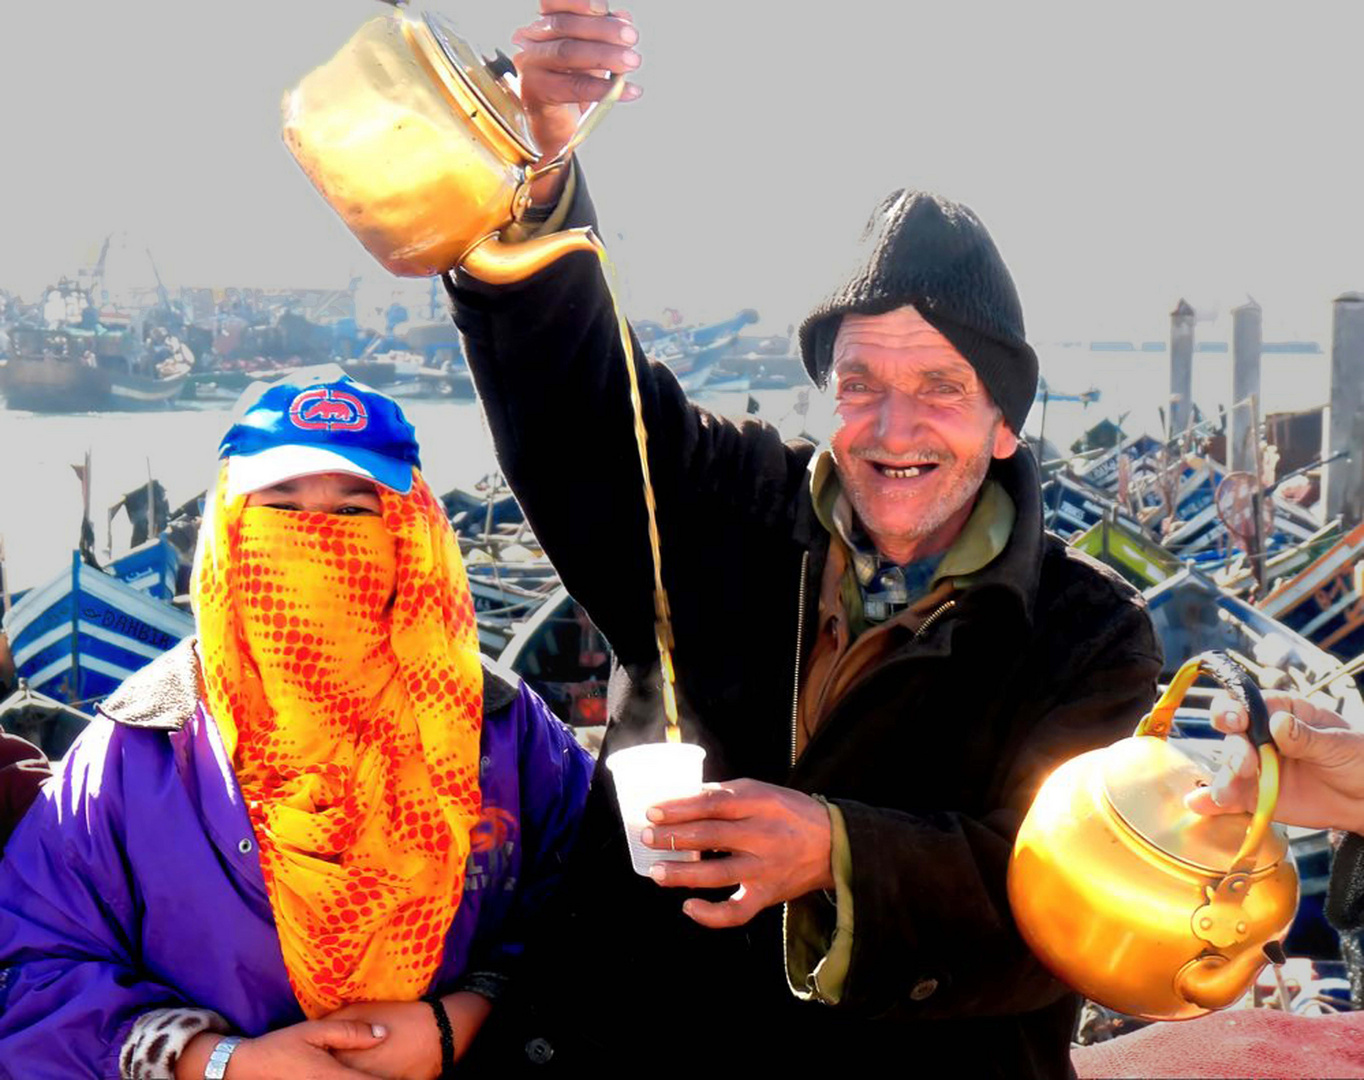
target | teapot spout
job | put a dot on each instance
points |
(496, 262)
(1215, 981)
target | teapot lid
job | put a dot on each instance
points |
(1145, 779)
(484, 79)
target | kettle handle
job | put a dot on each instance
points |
(1229, 675)
(1233, 678)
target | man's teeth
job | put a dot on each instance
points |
(900, 474)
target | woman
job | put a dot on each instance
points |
(287, 831)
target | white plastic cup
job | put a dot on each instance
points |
(649, 774)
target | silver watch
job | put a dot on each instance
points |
(216, 1068)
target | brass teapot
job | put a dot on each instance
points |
(1139, 903)
(424, 150)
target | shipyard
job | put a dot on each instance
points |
(449, 584)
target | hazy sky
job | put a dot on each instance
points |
(1122, 155)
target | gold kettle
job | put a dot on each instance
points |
(1139, 903)
(425, 152)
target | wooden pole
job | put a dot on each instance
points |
(1343, 481)
(1258, 539)
(151, 503)
(1182, 321)
(4, 580)
(1245, 383)
(75, 677)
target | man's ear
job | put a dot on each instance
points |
(1005, 441)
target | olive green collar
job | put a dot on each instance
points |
(985, 534)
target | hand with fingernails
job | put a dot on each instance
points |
(304, 1050)
(566, 61)
(1322, 782)
(776, 843)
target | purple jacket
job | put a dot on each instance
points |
(134, 883)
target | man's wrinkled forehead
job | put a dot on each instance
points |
(901, 329)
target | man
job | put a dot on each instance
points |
(879, 648)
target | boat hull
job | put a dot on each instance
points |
(67, 386)
(77, 637)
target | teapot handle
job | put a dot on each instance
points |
(591, 117)
(1233, 678)
(1229, 675)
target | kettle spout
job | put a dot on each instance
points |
(496, 262)
(1214, 981)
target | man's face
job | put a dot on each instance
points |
(324, 493)
(916, 432)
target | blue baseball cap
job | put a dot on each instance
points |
(324, 421)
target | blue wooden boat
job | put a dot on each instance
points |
(1071, 506)
(1323, 602)
(78, 636)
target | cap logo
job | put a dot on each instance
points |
(328, 409)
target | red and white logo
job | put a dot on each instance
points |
(328, 409)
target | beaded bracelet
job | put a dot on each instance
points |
(447, 1037)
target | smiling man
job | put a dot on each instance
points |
(880, 648)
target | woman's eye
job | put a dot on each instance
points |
(352, 510)
(282, 506)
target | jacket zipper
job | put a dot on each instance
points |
(800, 650)
(932, 617)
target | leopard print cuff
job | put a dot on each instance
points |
(159, 1037)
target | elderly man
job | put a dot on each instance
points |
(879, 647)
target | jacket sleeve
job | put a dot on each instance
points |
(71, 985)
(23, 768)
(547, 360)
(1345, 895)
(555, 773)
(932, 933)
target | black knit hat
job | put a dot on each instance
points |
(924, 250)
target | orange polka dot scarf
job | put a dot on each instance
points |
(353, 725)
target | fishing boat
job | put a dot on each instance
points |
(79, 635)
(1129, 551)
(692, 352)
(1072, 506)
(1325, 600)
(47, 723)
(565, 659)
(55, 385)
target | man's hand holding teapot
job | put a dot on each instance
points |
(566, 60)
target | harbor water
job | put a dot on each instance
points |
(40, 499)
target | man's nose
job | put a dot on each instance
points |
(898, 423)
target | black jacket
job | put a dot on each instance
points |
(933, 757)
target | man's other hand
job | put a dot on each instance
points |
(1322, 784)
(777, 843)
(566, 61)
